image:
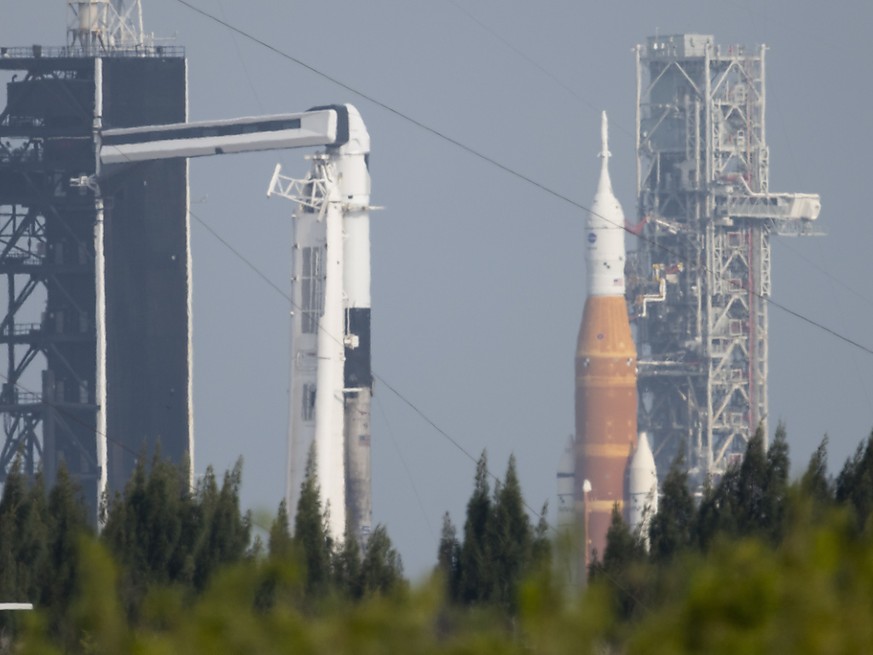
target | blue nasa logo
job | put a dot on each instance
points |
(592, 237)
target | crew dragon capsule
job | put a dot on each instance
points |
(606, 371)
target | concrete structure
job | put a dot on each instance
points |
(699, 282)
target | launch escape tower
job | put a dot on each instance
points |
(96, 328)
(698, 283)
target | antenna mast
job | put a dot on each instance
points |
(100, 25)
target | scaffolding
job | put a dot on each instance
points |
(699, 281)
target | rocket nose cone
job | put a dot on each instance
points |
(643, 457)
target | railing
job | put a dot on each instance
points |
(24, 329)
(61, 52)
(20, 397)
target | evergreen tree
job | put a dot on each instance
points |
(23, 541)
(280, 545)
(13, 506)
(750, 489)
(771, 521)
(448, 558)
(541, 548)
(226, 531)
(672, 528)
(67, 523)
(149, 530)
(311, 536)
(347, 572)
(381, 569)
(815, 483)
(477, 575)
(623, 557)
(855, 483)
(511, 539)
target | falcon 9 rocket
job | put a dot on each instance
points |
(606, 371)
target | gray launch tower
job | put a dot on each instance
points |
(699, 282)
(95, 335)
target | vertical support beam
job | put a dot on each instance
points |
(100, 291)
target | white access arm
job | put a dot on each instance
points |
(323, 126)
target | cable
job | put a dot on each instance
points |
(405, 468)
(415, 408)
(533, 62)
(490, 160)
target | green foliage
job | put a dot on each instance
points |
(62, 574)
(815, 483)
(311, 536)
(624, 570)
(381, 572)
(855, 484)
(672, 528)
(750, 499)
(801, 584)
(280, 545)
(499, 549)
(477, 576)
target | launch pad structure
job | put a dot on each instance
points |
(95, 250)
(699, 283)
(96, 325)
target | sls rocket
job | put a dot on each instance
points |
(606, 371)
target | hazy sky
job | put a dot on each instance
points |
(478, 278)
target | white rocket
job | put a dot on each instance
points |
(331, 377)
(605, 257)
(642, 502)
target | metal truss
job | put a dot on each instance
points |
(699, 282)
(47, 336)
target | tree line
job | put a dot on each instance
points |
(753, 563)
(786, 565)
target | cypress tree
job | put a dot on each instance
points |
(772, 519)
(541, 547)
(226, 531)
(311, 536)
(855, 483)
(279, 544)
(477, 577)
(448, 558)
(672, 528)
(511, 539)
(67, 523)
(382, 568)
(815, 483)
(347, 573)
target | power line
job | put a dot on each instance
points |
(409, 403)
(490, 160)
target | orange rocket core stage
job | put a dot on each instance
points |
(606, 414)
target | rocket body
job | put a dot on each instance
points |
(331, 374)
(606, 372)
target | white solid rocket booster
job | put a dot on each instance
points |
(642, 487)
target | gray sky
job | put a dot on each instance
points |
(478, 278)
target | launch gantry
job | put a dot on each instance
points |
(699, 282)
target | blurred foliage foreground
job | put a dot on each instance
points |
(771, 567)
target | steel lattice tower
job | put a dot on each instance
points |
(699, 282)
